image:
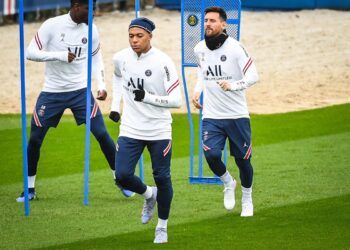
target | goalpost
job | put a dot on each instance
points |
(192, 31)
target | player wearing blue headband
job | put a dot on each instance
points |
(148, 81)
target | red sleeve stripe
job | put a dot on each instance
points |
(38, 42)
(36, 119)
(94, 111)
(96, 50)
(249, 151)
(246, 67)
(167, 149)
(172, 87)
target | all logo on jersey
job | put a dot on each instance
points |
(77, 51)
(84, 40)
(62, 37)
(214, 71)
(148, 73)
(139, 82)
(223, 58)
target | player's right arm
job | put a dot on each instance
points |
(37, 49)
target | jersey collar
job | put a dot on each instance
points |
(143, 55)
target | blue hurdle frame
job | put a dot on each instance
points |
(200, 179)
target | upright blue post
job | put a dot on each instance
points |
(23, 106)
(88, 108)
(137, 14)
(137, 8)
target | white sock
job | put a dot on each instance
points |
(162, 223)
(148, 194)
(246, 194)
(226, 179)
(113, 173)
(31, 181)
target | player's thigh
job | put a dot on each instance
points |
(213, 134)
(77, 103)
(239, 133)
(48, 110)
(160, 152)
(128, 152)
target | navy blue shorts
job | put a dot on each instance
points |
(129, 151)
(49, 107)
(216, 131)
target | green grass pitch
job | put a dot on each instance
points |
(301, 190)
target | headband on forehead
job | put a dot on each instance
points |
(143, 23)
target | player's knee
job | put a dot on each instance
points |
(123, 177)
(163, 181)
(212, 155)
(35, 140)
(98, 128)
(101, 134)
(243, 164)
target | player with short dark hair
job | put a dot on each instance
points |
(62, 43)
(225, 70)
(148, 81)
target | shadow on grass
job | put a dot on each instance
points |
(320, 224)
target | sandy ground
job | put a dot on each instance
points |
(303, 57)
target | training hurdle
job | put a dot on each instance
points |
(192, 32)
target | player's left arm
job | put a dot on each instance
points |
(173, 99)
(98, 68)
(248, 70)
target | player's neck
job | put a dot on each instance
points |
(73, 17)
(144, 51)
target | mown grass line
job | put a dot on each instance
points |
(62, 152)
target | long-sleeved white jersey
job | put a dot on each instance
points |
(51, 44)
(229, 63)
(154, 72)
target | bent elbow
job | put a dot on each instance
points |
(178, 103)
(29, 55)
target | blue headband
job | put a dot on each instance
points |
(143, 23)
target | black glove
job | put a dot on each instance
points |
(114, 116)
(139, 95)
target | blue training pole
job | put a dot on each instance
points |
(88, 108)
(23, 106)
(137, 14)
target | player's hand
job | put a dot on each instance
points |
(195, 100)
(71, 57)
(139, 95)
(114, 116)
(225, 86)
(101, 95)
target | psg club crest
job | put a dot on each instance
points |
(84, 40)
(223, 58)
(148, 72)
(192, 20)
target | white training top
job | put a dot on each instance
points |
(229, 63)
(155, 72)
(51, 44)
